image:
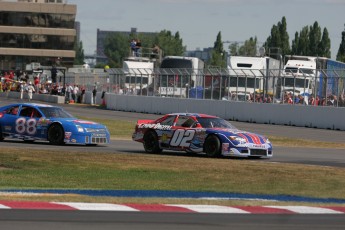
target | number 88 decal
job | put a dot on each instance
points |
(28, 126)
(182, 138)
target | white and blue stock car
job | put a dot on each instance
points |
(39, 122)
(200, 133)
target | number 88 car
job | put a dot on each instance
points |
(200, 133)
(33, 122)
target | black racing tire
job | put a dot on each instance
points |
(29, 141)
(1, 136)
(151, 144)
(56, 134)
(212, 146)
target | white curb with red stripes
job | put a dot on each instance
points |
(171, 208)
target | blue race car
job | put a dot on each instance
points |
(32, 122)
(200, 133)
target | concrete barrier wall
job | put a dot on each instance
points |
(280, 114)
(37, 97)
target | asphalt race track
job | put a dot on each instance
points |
(43, 219)
(300, 155)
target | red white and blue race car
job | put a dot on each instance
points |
(200, 133)
(34, 122)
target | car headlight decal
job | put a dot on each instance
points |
(80, 129)
(238, 139)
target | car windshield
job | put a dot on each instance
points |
(55, 112)
(210, 122)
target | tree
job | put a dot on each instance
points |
(233, 47)
(325, 44)
(341, 50)
(311, 42)
(279, 38)
(303, 42)
(314, 40)
(116, 48)
(218, 57)
(249, 48)
(79, 53)
(171, 45)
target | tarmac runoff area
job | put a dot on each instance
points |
(173, 207)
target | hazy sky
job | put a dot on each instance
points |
(199, 21)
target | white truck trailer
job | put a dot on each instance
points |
(252, 75)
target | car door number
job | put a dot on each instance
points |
(26, 126)
(182, 138)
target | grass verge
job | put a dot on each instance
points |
(32, 169)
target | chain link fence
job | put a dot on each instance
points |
(326, 87)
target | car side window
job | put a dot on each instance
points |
(30, 112)
(168, 121)
(185, 121)
(13, 110)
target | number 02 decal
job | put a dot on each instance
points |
(182, 138)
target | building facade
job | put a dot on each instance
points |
(40, 31)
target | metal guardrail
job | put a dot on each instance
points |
(271, 86)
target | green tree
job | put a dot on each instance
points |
(303, 43)
(295, 44)
(79, 53)
(116, 48)
(341, 50)
(233, 47)
(311, 42)
(218, 57)
(325, 44)
(314, 40)
(279, 38)
(170, 44)
(249, 48)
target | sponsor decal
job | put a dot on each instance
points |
(165, 137)
(155, 126)
(68, 135)
(8, 128)
(255, 146)
(84, 122)
(74, 141)
(43, 122)
(225, 147)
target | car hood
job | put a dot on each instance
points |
(248, 136)
(75, 121)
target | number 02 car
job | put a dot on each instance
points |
(33, 122)
(200, 133)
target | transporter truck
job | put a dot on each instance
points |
(252, 75)
(307, 75)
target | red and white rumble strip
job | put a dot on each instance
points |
(172, 208)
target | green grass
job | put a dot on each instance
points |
(25, 169)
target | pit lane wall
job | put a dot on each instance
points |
(280, 114)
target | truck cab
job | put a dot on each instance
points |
(299, 77)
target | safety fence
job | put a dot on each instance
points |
(318, 88)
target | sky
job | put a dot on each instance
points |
(199, 21)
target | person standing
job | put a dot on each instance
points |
(138, 48)
(75, 92)
(21, 89)
(94, 94)
(31, 90)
